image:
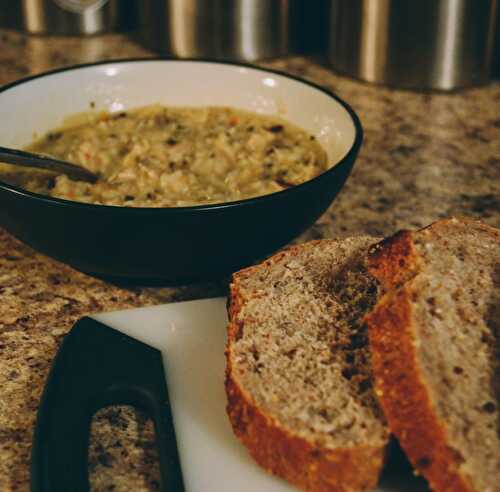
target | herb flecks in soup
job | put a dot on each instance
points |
(169, 157)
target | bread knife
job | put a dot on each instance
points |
(97, 366)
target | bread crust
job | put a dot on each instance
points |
(306, 465)
(399, 385)
(293, 458)
(404, 397)
(394, 260)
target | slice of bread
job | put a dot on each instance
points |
(434, 341)
(298, 378)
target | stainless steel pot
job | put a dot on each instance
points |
(69, 17)
(429, 44)
(222, 29)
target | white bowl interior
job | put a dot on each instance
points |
(28, 110)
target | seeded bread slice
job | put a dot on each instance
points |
(434, 341)
(298, 376)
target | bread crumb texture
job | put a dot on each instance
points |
(299, 365)
(434, 336)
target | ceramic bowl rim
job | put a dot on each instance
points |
(354, 148)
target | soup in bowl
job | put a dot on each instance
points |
(220, 220)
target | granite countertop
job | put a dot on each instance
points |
(425, 156)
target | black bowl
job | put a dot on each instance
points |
(168, 245)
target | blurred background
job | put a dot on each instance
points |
(429, 44)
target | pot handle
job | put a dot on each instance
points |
(98, 366)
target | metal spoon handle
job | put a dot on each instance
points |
(27, 159)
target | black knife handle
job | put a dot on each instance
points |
(97, 366)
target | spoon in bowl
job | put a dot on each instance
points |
(27, 159)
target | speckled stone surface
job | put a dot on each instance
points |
(425, 156)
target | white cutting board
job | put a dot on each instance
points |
(192, 336)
